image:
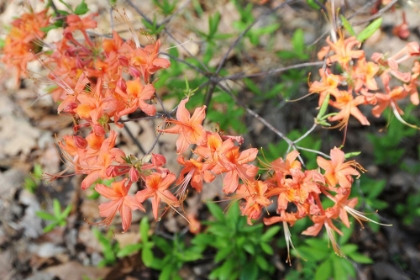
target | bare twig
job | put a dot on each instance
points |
(255, 115)
(273, 71)
(222, 62)
(134, 139)
(378, 14)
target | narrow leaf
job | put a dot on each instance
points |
(347, 26)
(369, 30)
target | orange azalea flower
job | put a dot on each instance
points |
(148, 61)
(285, 218)
(20, 46)
(324, 221)
(348, 106)
(254, 195)
(343, 50)
(120, 202)
(96, 162)
(188, 127)
(194, 171)
(74, 23)
(234, 164)
(157, 188)
(215, 148)
(285, 167)
(364, 75)
(411, 87)
(135, 98)
(337, 171)
(329, 84)
(390, 98)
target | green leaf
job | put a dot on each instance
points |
(249, 248)
(213, 24)
(324, 271)
(262, 262)
(352, 154)
(56, 208)
(129, 250)
(228, 268)
(369, 30)
(269, 234)
(376, 188)
(360, 258)
(50, 227)
(216, 211)
(266, 248)
(323, 108)
(298, 42)
(338, 269)
(147, 257)
(37, 169)
(312, 4)
(144, 229)
(349, 249)
(267, 29)
(162, 244)
(66, 212)
(249, 272)
(347, 26)
(81, 9)
(223, 253)
(166, 273)
(46, 216)
(252, 86)
(233, 214)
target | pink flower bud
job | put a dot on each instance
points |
(80, 142)
(121, 84)
(79, 63)
(98, 129)
(69, 109)
(134, 174)
(158, 160)
(134, 72)
(123, 61)
(111, 171)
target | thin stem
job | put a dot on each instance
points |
(273, 71)
(135, 140)
(306, 134)
(263, 15)
(255, 115)
(312, 151)
(378, 14)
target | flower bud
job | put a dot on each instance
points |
(123, 61)
(134, 72)
(69, 109)
(134, 174)
(121, 84)
(79, 63)
(80, 142)
(158, 160)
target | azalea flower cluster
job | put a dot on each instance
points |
(100, 81)
(20, 46)
(294, 192)
(357, 84)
